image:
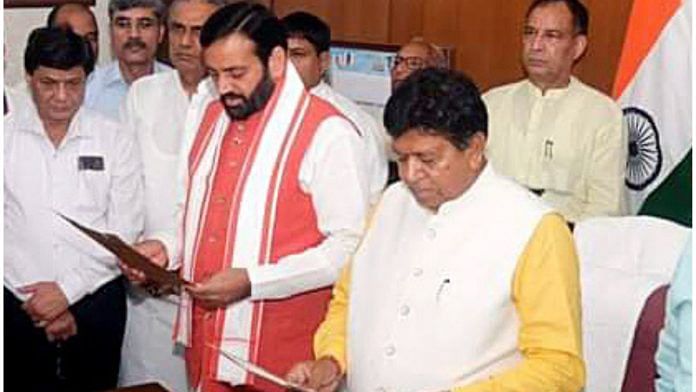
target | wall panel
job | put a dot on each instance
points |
(486, 34)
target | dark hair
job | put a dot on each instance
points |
(53, 15)
(57, 48)
(157, 6)
(437, 101)
(253, 20)
(581, 17)
(304, 25)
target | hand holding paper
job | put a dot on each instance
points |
(132, 258)
(322, 375)
(261, 372)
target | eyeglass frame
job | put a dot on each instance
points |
(408, 62)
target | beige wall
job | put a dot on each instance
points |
(19, 22)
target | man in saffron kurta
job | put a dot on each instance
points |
(277, 190)
(482, 293)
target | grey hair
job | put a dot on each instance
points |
(217, 3)
(121, 5)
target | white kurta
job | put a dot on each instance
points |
(436, 303)
(155, 109)
(371, 132)
(568, 142)
(93, 176)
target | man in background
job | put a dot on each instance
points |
(80, 19)
(412, 56)
(552, 133)
(136, 28)
(155, 109)
(64, 298)
(309, 41)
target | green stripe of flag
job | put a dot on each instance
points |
(672, 199)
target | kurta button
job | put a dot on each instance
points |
(220, 199)
(418, 272)
(390, 350)
(212, 238)
(232, 164)
(431, 233)
(405, 310)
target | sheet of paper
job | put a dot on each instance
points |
(261, 372)
(154, 273)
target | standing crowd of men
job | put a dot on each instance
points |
(238, 166)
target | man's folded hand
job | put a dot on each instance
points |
(46, 301)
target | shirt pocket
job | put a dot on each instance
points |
(559, 169)
(93, 190)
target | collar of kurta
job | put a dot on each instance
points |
(554, 93)
(27, 119)
(468, 195)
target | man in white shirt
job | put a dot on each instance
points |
(552, 133)
(309, 40)
(64, 300)
(155, 109)
(277, 192)
(136, 27)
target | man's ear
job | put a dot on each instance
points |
(580, 46)
(324, 61)
(277, 63)
(477, 146)
(161, 33)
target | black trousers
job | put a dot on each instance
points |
(88, 361)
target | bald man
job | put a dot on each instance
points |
(80, 19)
(416, 54)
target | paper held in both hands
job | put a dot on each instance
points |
(128, 255)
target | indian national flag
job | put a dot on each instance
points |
(653, 85)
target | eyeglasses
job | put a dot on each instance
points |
(411, 63)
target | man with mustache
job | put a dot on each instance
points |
(136, 28)
(552, 133)
(155, 109)
(276, 195)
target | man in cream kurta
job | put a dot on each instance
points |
(482, 289)
(155, 109)
(551, 132)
